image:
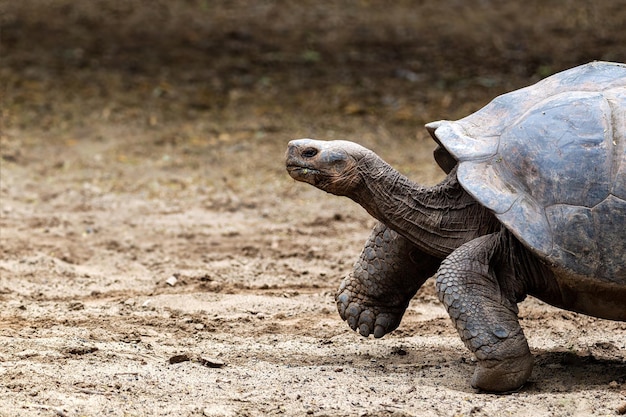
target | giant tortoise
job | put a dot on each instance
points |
(534, 202)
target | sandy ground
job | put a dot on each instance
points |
(156, 259)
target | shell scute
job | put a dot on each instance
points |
(550, 161)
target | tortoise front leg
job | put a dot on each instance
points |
(484, 311)
(390, 270)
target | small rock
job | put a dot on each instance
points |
(396, 350)
(171, 281)
(81, 350)
(179, 358)
(204, 361)
(210, 362)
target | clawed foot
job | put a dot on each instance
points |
(373, 298)
(368, 313)
(502, 375)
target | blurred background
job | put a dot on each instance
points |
(203, 95)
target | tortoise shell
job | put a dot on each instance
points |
(550, 161)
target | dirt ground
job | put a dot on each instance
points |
(155, 257)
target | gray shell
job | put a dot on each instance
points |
(550, 161)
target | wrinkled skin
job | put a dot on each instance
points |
(482, 270)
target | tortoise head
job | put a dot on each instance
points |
(332, 166)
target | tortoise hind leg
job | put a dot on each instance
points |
(483, 308)
(390, 270)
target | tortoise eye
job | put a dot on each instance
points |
(309, 153)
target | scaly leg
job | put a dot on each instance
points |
(484, 311)
(390, 270)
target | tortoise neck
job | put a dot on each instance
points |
(436, 219)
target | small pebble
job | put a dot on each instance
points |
(172, 280)
(210, 362)
(179, 358)
(202, 360)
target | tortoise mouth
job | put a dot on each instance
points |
(301, 172)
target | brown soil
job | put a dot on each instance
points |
(155, 257)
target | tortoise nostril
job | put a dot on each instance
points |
(309, 153)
